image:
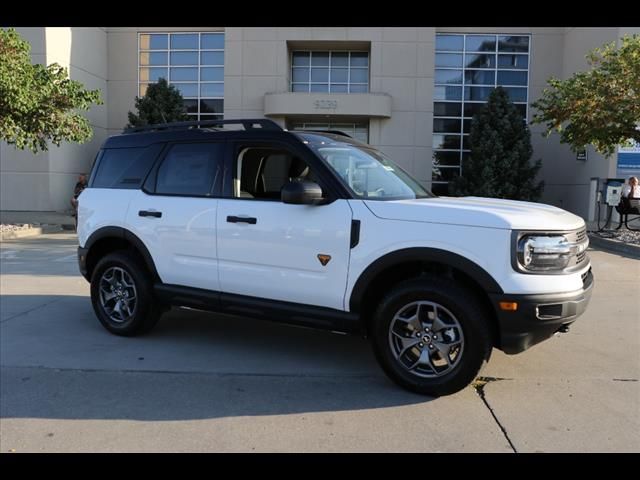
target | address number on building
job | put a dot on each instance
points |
(326, 104)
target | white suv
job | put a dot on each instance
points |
(318, 229)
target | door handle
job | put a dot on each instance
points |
(149, 213)
(234, 219)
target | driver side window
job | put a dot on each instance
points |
(262, 172)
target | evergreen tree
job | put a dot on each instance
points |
(499, 165)
(162, 103)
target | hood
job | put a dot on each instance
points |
(478, 212)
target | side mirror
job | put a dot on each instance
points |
(301, 193)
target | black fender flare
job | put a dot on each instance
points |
(420, 254)
(127, 235)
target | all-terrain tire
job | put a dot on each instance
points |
(122, 295)
(431, 335)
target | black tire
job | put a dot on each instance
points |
(459, 304)
(145, 311)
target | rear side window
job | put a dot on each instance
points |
(190, 169)
(125, 167)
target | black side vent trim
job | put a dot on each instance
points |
(355, 233)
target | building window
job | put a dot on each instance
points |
(330, 71)
(192, 62)
(467, 68)
(359, 130)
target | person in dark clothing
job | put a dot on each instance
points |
(630, 192)
(81, 184)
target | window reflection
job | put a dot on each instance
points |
(467, 69)
(192, 62)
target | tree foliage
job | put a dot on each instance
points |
(38, 103)
(601, 106)
(499, 165)
(162, 103)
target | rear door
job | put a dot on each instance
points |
(175, 213)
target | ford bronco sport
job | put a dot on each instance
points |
(318, 229)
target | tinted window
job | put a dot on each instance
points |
(124, 167)
(190, 169)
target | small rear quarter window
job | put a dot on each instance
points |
(124, 167)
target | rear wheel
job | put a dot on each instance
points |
(122, 295)
(431, 336)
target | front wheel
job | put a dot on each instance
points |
(431, 336)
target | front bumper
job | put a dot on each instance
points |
(538, 317)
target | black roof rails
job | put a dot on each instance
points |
(335, 132)
(248, 124)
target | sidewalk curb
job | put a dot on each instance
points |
(30, 232)
(614, 246)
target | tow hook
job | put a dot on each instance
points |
(563, 329)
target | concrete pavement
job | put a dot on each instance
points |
(213, 383)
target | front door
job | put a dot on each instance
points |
(273, 250)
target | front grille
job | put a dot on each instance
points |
(578, 236)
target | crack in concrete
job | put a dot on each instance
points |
(479, 385)
(625, 379)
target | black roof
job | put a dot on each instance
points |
(179, 131)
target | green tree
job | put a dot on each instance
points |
(499, 165)
(38, 103)
(162, 103)
(601, 106)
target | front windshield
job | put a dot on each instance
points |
(369, 174)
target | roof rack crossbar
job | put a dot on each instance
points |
(248, 124)
(335, 132)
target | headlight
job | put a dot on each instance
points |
(539, 253)
(544, 253)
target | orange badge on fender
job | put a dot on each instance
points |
(324, 259)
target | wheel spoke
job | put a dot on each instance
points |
(118, 309)
(127, 307)
(127, 281)
(108, 309)
(437, 324)
(122, 274)
(413, 321)
(110, 280)
(423, 359)
(108, 295)
(408, 343)
(443, 349)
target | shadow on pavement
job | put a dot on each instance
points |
(58, 362)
